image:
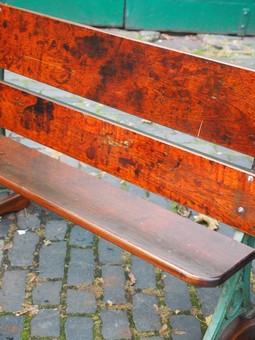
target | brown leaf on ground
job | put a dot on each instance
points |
(32, 277)
(167, 36)
(176, 331)
(211, 222)
(132, 279)
(183, 211)
(28, 309)
(6, 246)
(163, 329)
(155, 307)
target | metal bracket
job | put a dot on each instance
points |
(244, 20)
(235, 297)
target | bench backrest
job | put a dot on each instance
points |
(209, 100)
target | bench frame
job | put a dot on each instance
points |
(235, 300)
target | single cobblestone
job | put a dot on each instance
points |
(17, 255)
(79, 328)
(5, 224)
(52, 260)
(56, 230)
(115, 325)
(145, 316)
(27, 221)
(109, 253)
(114, 284)
(209, 298)
(46, 323)
(187, 325)
(47, 293)
(81, 237)
(176, 293)
(12, 293)
(144, 273)
(80, 302)
(81, 267)
(11, 327)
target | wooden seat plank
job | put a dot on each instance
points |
(210, 100)
(147, 230)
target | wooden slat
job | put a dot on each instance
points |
(122, 218)
(13, 203)
(198, 182)
(207, 99)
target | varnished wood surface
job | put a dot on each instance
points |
(13, 203)
(240, 329)
(204, 98)
(193, 180)
(177, 245)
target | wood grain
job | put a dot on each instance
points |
(187, 177)
(159, 236)
(206, 99)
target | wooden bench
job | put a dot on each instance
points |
(206, 99)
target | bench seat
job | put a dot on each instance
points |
(158, 235)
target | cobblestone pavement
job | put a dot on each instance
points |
(59, 281)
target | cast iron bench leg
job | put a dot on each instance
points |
(234, 307)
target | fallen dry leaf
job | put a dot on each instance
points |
(211, 222)
(176, 331)
(47, 242)
(28, 309)
(132, 279)
(6, 246)
(183, 211)
(167, 36)
(208, 319)
(177, 311)
(32, 277)
(155, 307)
(163, 329)
(146, 121)
(109, 302)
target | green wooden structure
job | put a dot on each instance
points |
(203, 16)
(206, 16)
(97, 13)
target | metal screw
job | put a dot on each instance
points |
(250, 179)
(240, 210)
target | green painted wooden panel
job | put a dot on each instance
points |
(208, 16)
(98, 13)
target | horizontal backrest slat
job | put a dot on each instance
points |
(206, 99)
(189, 178)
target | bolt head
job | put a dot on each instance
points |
(240, 210)
(250, 179)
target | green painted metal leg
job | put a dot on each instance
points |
(235, 297)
